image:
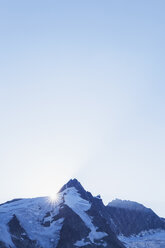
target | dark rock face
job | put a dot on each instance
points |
(100, 218)
(19, 235)
(129, 221)
(73, 228)
(2, 245)
(77, 228)
(163, 219)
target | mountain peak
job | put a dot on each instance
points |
(127, 204)
(72, 183)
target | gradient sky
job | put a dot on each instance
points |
(82, 94)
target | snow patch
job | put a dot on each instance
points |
(146, 239)
(82, 242)
(79, 205)
(30, 213)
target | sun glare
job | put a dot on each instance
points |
(53, 198)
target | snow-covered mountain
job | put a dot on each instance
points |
(131, 218)
(136, 225)
(75, 219)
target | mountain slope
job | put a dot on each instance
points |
(136, 225)
(75, 219)
(131, 218)
(92, 212)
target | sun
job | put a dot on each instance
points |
(53, 198)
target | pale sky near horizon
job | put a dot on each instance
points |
(82, 94)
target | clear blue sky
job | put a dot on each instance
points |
(82, 94)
